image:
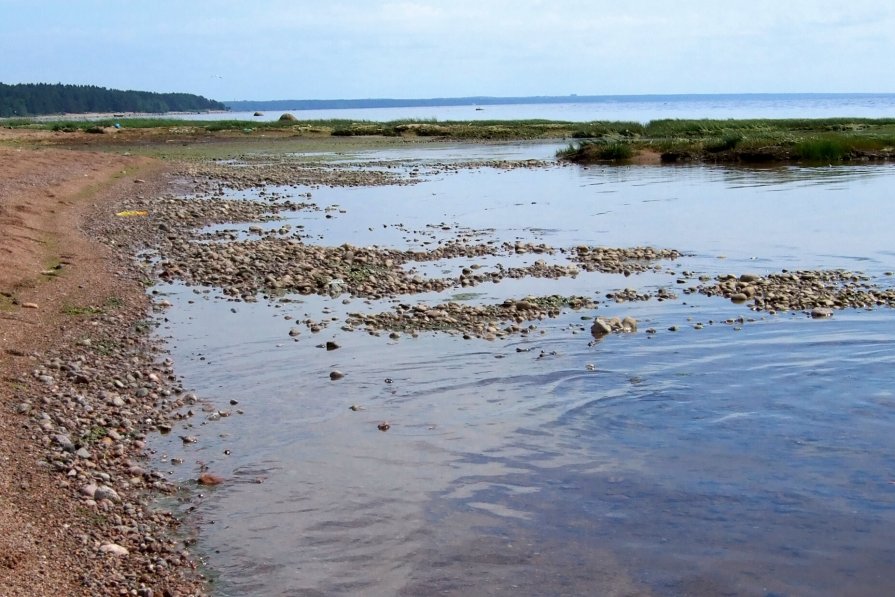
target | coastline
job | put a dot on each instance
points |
(77, 354)
(82, 385)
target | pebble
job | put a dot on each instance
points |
(336, 374)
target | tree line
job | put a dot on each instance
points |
(34, 99)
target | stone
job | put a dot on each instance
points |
(104, 492)
(600, 327)
(336, 374)
(210, 479)
(64, 441)
(821, 312)
(114, 549)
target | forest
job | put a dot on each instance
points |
(35, 99)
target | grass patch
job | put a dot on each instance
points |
(76, 310)
(590, 151)
(96, 433)
(114, 302)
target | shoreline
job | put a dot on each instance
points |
(86, 383)
(82, 386)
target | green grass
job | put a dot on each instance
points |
(747, 140)
(826, 140)
(76, 310)
(595, 151)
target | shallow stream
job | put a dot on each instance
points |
(753, 456)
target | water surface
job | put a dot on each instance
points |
(752, 457)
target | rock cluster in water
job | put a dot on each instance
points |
(802, 290)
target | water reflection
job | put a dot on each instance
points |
(749, 458)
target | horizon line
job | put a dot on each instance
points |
(571, 95)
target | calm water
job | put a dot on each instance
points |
(752, 458)
(619, 108)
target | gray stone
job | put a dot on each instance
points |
(114, 549)
(64, 441)
(104, 492)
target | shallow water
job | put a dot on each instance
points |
(750, 457)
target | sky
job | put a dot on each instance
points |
(345, 49)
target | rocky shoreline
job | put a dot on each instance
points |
(85, 383)
(89, 399)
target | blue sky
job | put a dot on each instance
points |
(329, 49)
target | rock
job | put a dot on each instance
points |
(336, 374)
(629, 324)
(210, 479)
(384, 426)
(82, 453)
(600, 327)
(114, 549)
(294, 332)
(330, 345)
(821, 312)
(287, 116)
(748, 278)
(739, 297)
(104, 492)
(64, 441)
(29, 305)
(89, 490)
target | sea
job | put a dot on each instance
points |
(730, 452)
(633, 108)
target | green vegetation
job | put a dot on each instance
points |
(760, 140)
(78, 310)
(599, 151)
(31, 99)
(96, 433)
(829, 140)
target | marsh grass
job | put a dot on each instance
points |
(809, 140)
(606, 151)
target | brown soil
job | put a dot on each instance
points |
(47, 197)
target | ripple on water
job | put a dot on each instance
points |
(746, 458)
